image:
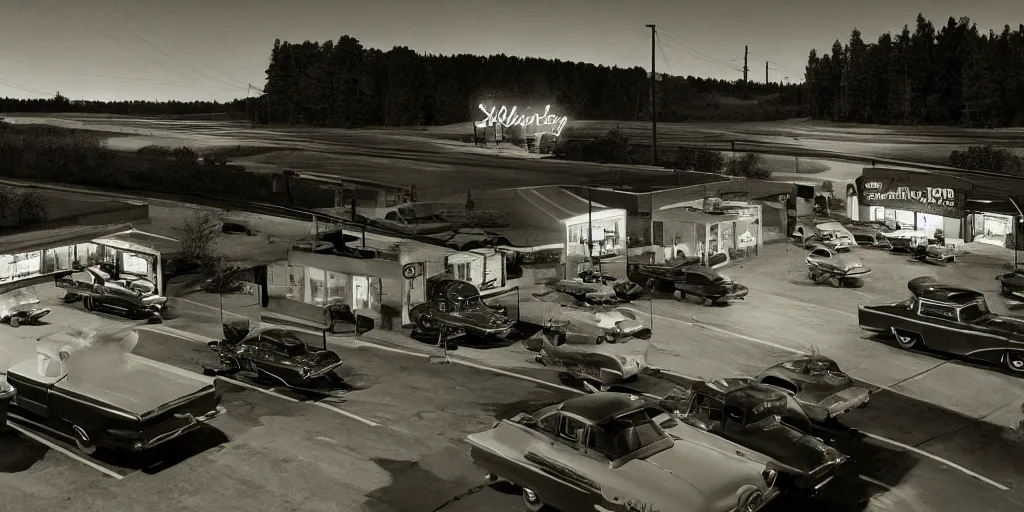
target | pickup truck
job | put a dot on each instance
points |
(98, 397)
(949, 319)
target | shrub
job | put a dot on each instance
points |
(697, 159)
(21, 208)
(185, 154)
(988, 158)
(747, 166)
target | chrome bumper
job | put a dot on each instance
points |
(193, 424)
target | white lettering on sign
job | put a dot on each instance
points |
(873, 185)
(509, 118)
(930, 195)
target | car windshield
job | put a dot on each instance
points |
(625, 435)
(973, 312)
(471, 302)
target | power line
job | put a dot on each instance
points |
(23, 88)
(786, 67)
(663, 55)
(734, 68)
(153, 46)
(150, 80)
(716, 61)
(140, 54)
(172, 45)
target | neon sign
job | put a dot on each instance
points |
(509, 118)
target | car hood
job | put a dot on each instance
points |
(817, 389)
(1003, 324)
(708, 468)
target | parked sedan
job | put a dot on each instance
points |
(133, 298)
(825, 265)
(277, 356)
(456, 306)
(613, 451)
(818, 385)
(709, 286)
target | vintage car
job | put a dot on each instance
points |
(825, 265)
(709, 286)
(614, 451)
(870, 234)
(764, 419)
(934, 253)
(949, 319)
(412, 219)
(276, 355)
(21, 306)
(338, 313)
(1011, 285)
(457, 307)
(593, 287)
(97, 397)
(586, 323)
(818, 385)
(131, 296)
(660, 277)
(830, 234)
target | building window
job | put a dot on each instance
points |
(136, 264)
(296, 283)
(337, 286)
(317, 286)
(462, 272)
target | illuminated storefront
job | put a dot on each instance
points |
(913, 200)
(498, 121)
(715, 231)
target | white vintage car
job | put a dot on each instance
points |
(614, 451)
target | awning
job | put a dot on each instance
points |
(57, 237)
(138, 241)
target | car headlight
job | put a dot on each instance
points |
(769, 476)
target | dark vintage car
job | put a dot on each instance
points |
(594, 287)
(457, 307)
(277, 356)
(97, 397)
(614, 451)
(128, 295)
(21, 306)
(949, 319)
(818, 385)
(709, 286)
(761, 418)
(660, 278)
(825, 265)
(1011, 285)
(869, 234)
(338, 314)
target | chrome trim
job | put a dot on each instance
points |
(324, 371)
(210, 389)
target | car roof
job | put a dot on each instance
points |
(928, 288)
(600, 407)
(737, 391)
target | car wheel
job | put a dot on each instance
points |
(751, 501)
(532, 501)
(84, 443)
(906, 340)
(89, 304)
(1015, 361)
(15, 321)
(426, 323)
(1005, 290)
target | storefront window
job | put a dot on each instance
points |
(85, 254)
(17, 266)
(360, 292)
(296, 283)
(337, 285)
(317, 286)
(137, 264)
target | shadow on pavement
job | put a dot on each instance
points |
(167, 455)
(19, 453)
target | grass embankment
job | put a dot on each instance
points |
(75, 157)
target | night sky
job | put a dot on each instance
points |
(209, 49)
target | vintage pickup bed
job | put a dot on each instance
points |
(120, 403)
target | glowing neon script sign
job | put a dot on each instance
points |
(509, 118)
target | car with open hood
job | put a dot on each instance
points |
(125, 294)
(275, 355)
(615, 451)
(456, 306)
(948, 319)
(829, 233)
(91, 391)
(825, 265)
(818, 385)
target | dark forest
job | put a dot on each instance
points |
(955, 75)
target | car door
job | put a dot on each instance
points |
(980, 340)
(694, 283)
(940, 326)
(574, 471)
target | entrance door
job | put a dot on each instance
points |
(360, 292)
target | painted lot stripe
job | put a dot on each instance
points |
(719, 330)
(199, 339)
(60, 449)
(523, 194)
(546, 199)
(940, 460)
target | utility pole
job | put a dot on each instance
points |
(746, 52)
(654, 100)
(766, 72)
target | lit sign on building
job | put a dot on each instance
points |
(546, 122)
(901, 195)
(927, 195)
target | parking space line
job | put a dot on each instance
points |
(938, 459)
(523, 195)
(60, 449)
(552, 203)
(720, 331)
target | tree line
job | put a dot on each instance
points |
(343, 84)
(953, 75)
